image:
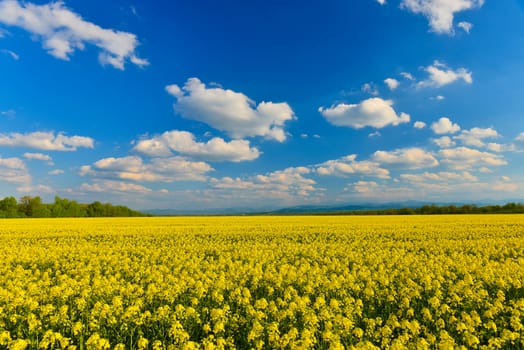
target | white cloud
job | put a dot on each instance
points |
(184, 143)
(407, 76)
(35, 189)
(466, 26)
(444, 126)
(114, 187)
(47, 141)
(370, 88)
(375, 134)
(406, 158)
(11, 54)
(430, 190)
(349, 166)
(56, 172)
(376, 192)
(62, 31)
(392, 83)
(475, 136)
(419, 125)
(505, 186)
(12, 163)
(444, 142)
(485, 170)
(467, 158)
(158, 169)
(381, 2)
(374, 112)
(14, 170)
(363, 187)
(37, 156)
(440, 75)
(287, 183)
(231, 111)
(497, 147)
(440, 13)
(520, 137)
(442, 176)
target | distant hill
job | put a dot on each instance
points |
(406, 207)
(348, 207)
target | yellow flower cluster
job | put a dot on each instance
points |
(331, 282)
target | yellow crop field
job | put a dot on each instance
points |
(333, 282)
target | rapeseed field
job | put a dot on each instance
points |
(333, 282)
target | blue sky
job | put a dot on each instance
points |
(262, 104)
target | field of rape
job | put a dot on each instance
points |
(391, 282)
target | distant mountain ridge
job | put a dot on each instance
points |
(319, 209)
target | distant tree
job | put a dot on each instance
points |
(406, 211)
(33, 207)
(9, 207)
(63, 207)
(95, 209)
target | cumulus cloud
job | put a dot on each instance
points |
(349, 166)
(485, 170)
(381, 2)
(419, 125)
(169, 169)
(520, 137)
(363, 187)
(230, 111)
(407, 76)
(108, 186)
(56, 172)
(374, 112)
(184, 143)
(442, 176)
(392, 83)
(498, 147)
(440, 13)
(440, 75)
(36, 189)
(468, 158)
(14, 170)
(444, 142)
(377, 192)
(63, 31)
(406, 158)
(37, 156)
(504, 186)
(465, 26)
(47, 141)
(444, 126)
(290, 182)
(475, 137)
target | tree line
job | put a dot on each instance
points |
(509, 208)
(33, 207)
